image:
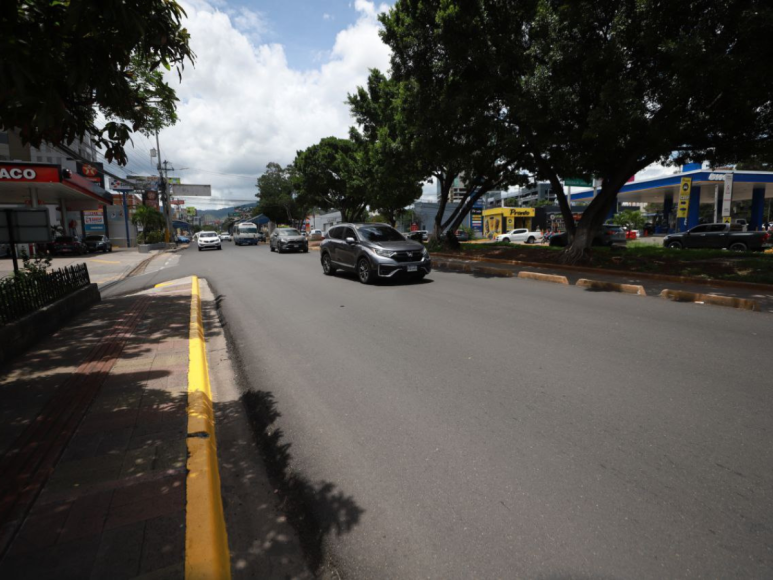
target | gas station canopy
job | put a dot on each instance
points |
(37, 184)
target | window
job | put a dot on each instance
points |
(349, 233)
(380, 233)
(336, 233)
(717, 228)
(699, 230)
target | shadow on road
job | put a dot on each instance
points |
(315, 509)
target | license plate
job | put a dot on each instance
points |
(413, 268)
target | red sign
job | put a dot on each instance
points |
(28, 173)
(177, 202)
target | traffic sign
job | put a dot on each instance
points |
(577, 182)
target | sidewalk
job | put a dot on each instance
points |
(94, 445)
(105, 466)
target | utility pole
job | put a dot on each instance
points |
(162, 189)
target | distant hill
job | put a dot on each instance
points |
(221, 214)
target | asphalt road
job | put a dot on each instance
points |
(497, 428)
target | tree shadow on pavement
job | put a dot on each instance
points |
(315, 509)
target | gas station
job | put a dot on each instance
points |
(718, 187)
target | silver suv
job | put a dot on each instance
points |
(373, 251)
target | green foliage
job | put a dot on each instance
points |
(278, 200)
(632, 219)
(588, 88)
(69, 63)
(388, 161)
(150, 219)
(469, 231)
(153, 237)
(331, 175)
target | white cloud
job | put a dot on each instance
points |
(327, 16)
(243, 106)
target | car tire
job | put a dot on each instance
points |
(305, 250)
(279, 250)
(220, 247)
(327, 265)
(530, 240)
(199, 249)
(110, 249)
(364, 271)
(737, 247)
(506, 240)
(270, 247)
(675, 245)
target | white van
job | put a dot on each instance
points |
(246, 233)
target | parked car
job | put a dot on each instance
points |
(462, 236)
(373, 251)
(67, 245)
(288, 239)
(315, 235)
(208, 240)
(226, 237)
(520, 235)
(718, 236)
(96, 243)
(608, 235)
(183, 239)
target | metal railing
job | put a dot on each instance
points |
(23, 295)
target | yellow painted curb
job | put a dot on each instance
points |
(163, 284)
(729, 301)
(612, 286)
(544, 277)
(206, 541)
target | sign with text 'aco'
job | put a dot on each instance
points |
(28, 173)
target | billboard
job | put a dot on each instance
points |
(93, 221)
(145, 181)
(192, 191)
(684, 198)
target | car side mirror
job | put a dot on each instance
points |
(351, 241)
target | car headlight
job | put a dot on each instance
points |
(425, 254)
(384, 253)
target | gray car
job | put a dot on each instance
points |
(373, 251)
(288, 240)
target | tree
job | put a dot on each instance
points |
(392, 174)
(278, 200)
(457, 130)
(631, 219)
(149, 219)
(601, 89)
(330, 175)
(67, 63)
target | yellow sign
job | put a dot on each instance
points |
(684, 197)
(512, 212)
(726, 220)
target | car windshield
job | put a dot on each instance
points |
(248, 229)
(93, 238)
(289, 232)
(380, 234)
(208, 235)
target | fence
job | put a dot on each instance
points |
(21, 296)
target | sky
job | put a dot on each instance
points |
(271, 78)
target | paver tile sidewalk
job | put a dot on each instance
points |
(93, 452)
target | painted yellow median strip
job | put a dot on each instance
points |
(206, 541)
(104, 261)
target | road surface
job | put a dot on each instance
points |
(468, 427)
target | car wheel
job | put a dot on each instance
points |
(364, 272)
(270, 247)
(738, 247)
(675, 245)
(279, 249)
(305, 250)
(110, 249)
(530, 240)
(507, 240)
(220, 247)
(199, 249)
(327, 265)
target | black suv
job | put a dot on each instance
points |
(373, 251)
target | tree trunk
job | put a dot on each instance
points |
(446, 181)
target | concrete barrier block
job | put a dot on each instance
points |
(714, 299)
(544, 277)
(612, 286)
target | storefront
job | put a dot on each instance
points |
(499, 220)
(75, 203)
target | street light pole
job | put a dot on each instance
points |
(164, 193)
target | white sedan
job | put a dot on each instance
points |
(226, 237)
(520, 235)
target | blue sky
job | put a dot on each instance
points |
(305, 28)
